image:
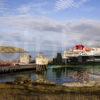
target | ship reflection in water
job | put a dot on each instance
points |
(60, 74)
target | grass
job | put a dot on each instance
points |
(49, 88)
(34, 90)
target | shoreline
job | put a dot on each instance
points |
(43, 90)
(50, 87)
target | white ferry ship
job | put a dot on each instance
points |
(82, 51)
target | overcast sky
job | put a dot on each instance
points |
(49, 24)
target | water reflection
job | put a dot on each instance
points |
(81, 76)
(41, 77)
(60, 74)
(75, 74)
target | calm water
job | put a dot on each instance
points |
(60, 74)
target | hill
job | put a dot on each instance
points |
(9, 49)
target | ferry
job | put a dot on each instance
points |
(81, 53)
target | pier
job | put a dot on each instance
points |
(15, 68)
(41, 62)
(24, 63)
(19, 67)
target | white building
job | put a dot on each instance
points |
(25, 59)
(41, 60)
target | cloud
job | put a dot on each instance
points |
(39, 32)
(33, 8)
(31, 23)
(64, 4)
(29, 31)
(25, 29)
(88, 31)
(24, 8)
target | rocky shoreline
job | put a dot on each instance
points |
(25, 88)
(44, 86)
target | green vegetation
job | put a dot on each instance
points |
(8, 49)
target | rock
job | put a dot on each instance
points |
(22, 80)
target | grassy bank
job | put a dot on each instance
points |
(29, 90)
(51, 88)
(34, 87)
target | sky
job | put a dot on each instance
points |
(37, 25)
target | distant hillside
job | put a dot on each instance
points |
(9, 49)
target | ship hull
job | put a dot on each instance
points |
(82, 60)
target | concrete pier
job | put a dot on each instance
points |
(16, 68)
(21, 67)
(41, 67)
